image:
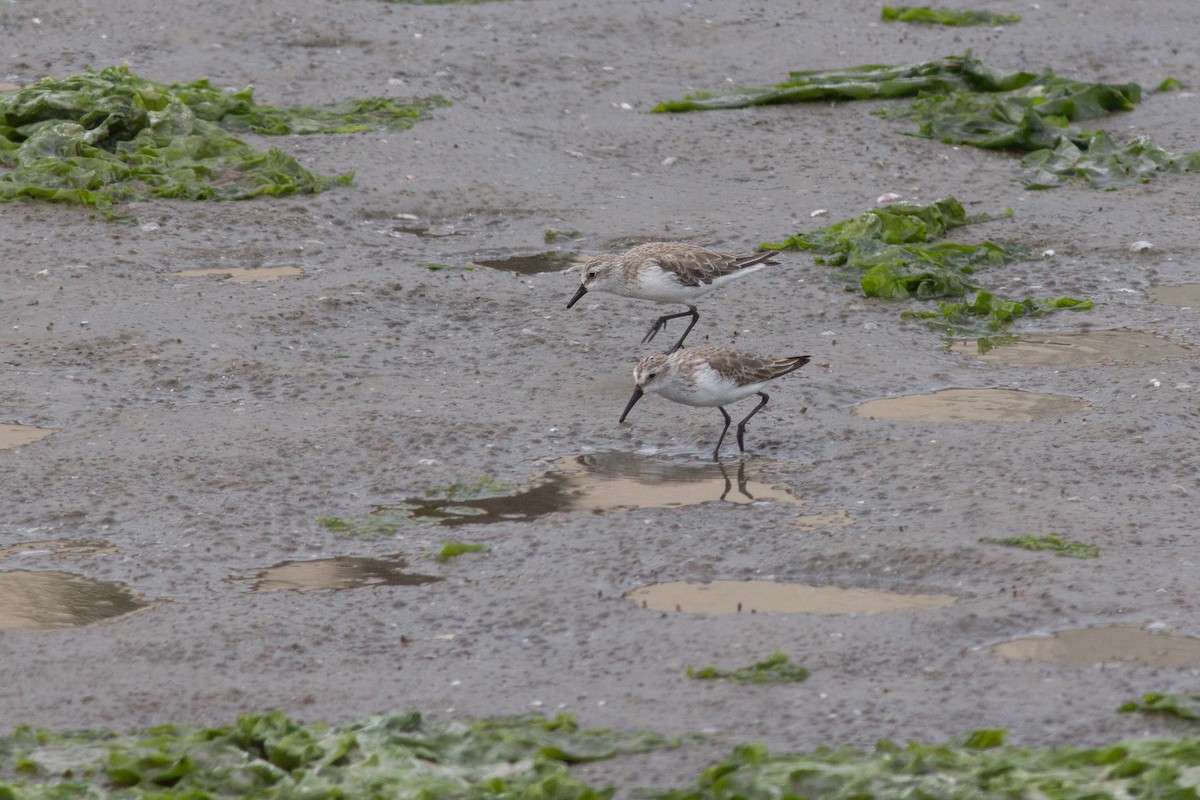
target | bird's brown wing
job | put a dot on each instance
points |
(745, 368)
(697, 266)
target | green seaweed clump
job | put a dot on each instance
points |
(1103, 163)
(451, 549)
(890, 254)
(100, 138)
(271, 756)
(984, 314)
(551, 236)
(1183, 706)
(106, 137)
(885, 250)
(865, 82)
(1038, 114)
(237, 111)
(962, 100)
(979, 767)
(947, 16)
(776, 668)
(1050, 542)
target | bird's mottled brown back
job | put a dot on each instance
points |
(695, 266)
(745, 368)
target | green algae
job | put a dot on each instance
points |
(947, 16)
(237, 111)
(368, 529)
(107, 137)
(889, 253)
(451, 549)
(776, 668)
(551, 235)
(884, 250)
(1102, 163)
(962, 100)
(1051, 542)
(976, 767)
(272, 756)
(865, 82)
(984, 314)
(1183, 706)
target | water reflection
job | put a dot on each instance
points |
(15, 435)
(606, 482)
(344, 572)
(1116, 643)
(973, 405)
(733, 597)
(532, 265)
(46, 601)
(1185, 295)
(1070, 350)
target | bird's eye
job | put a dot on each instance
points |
(652, 376)
(591, 274)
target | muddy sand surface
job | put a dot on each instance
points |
(205, 425)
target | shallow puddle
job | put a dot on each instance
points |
(602, 482)
(532, 265)
(48, 601)
(345, 572)
(973, 405)
(15, 435)
(243, 275)
(1116, 643)
(1186, 295)
(733, 597)
(618, 480)
(1067, 350)
(57, 548)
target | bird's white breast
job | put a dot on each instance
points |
(663, 286)
(706, 387)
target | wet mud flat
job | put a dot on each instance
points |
(200, 393)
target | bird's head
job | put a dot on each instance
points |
(650, 374)
(597, 274)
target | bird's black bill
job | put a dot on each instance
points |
(582, 291)
(637, 395)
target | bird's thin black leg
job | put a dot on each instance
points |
(728, 484)
(695, 318)
(741, 429)
(724, 430)
(661, 323)
(742, 479)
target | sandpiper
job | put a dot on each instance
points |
(711, 376)
(667, 272)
